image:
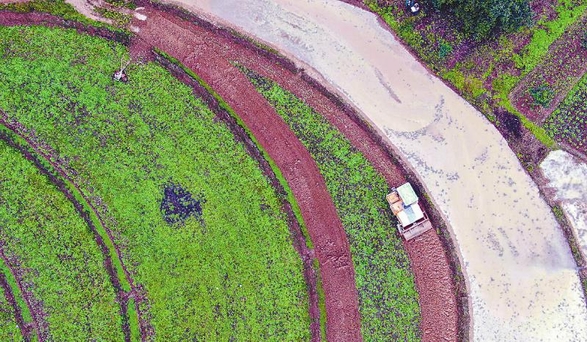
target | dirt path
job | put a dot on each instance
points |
(140, 48)
(523, 280)
(203, 52)
(428, 259)
(436, 288)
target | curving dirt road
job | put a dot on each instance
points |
(204, 53)
(522, 278)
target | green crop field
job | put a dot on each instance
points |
(568, 122)
(9, 330)
(200, 229)
(387, 293)
(65, 273)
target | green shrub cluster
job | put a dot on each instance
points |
(542, 95)
(481, 18)
(387, 294)
(233, 273)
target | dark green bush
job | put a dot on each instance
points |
(444, 50)
(542, 95)
(482, 18)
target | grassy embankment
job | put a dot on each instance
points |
(55, 255)
(387, 293)
(198, 223)
(66, 11)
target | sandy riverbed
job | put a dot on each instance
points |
(567, 176)
(523, 282)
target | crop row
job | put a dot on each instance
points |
(546, 85)
(221, 265)
(9, 328)
(387, 294)
(64, 280)
(568, 122)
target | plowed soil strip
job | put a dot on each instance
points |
(240, 134)
(429, 261)
(204, 53)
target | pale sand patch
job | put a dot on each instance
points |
(523, 280)
(86, 7)
(567, 175)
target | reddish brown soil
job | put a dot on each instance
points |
(299, 241)
(437, 290)
(209, 56)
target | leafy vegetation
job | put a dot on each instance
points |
(542, 89)
(542, 95)
(119, 20)
(122, 3)
(486, 71)
(230, 273)
(481, 18)
(388, 298)
(568, 122)
(224, 106)
(62, 268)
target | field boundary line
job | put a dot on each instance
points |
(119, 276)
(6, 272)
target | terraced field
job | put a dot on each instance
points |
(387, 294)
(9, 328)
(568, 123)
(199, 229)
(64, 280)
